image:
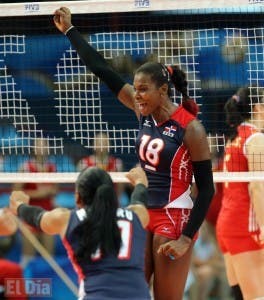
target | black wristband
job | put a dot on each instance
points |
(31, 214)
(202, 171)
(139, 195)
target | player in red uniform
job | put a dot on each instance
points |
(41, 194)
(240, 225)
(172, 146)
(101, 157)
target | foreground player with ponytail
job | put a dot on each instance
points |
(104, 242)
(172, 147)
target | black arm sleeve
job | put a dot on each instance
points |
(139, 195)
(95, 62)
(203, 176)
(31, 214)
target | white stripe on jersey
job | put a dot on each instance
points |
(183, 201)
(252, 222)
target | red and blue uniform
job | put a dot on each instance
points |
(168, 167)
(111, 277)
(165, 159)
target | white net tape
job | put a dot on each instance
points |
(117, 177)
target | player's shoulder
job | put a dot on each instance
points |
(125, 214)
(182, 116)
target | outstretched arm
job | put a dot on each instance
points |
(93, 60)
(51, 222)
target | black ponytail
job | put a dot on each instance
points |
(99, 230)
(178, 78)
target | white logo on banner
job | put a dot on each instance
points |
(142, 3)
(32, 7)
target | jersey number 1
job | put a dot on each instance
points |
(126, 241)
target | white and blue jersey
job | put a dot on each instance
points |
(111, 277)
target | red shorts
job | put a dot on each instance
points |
(238, 244)
(168, 222)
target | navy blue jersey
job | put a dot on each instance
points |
(166, 160)
(112, 277)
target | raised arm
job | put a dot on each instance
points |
(93, 60)
(139, 195)
(50, 222)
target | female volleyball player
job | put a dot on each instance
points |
(172, 146)
(240, 224)
(104, 242)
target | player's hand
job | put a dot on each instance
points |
(5, 215)
(261, 235)
(136, 176)
(259, 238)
(62, 19)
(175, 248)
(8, 225)
(17, 198)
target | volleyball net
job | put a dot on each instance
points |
(47, 93)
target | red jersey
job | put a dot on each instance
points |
(32, 166)
(237, 216)
(111, 164)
